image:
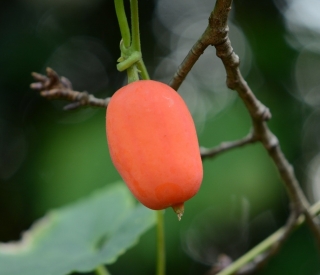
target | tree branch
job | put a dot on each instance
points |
(54, 87)
(226, 146)
(211, 36)
(259, 115)
(216, 34)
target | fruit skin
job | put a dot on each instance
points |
(153, 144)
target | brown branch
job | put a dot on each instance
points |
(259, 114)
(211, 36)
(216, 34)
(54, 87)
(191, 58)
(226, 146)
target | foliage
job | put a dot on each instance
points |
(80, 236)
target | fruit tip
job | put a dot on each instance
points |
(179, 209)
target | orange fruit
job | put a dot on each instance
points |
(153, 144)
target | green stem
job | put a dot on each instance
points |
(123, 23)
(130, 59)
(264, 245)
(143, 70)
(136, 45)
(161, 260)
(102, 270)
(129, 62)
(135, 25)
(132, 73)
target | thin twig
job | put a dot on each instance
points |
(226, 146)
(186, 65)
(211, 36)
(54, 87)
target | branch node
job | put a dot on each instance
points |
(232, 83)
(225, 146)
(263, 113)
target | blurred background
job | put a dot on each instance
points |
(50, 157)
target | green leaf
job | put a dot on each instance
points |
(79, 237)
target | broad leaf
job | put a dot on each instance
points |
(79, 237)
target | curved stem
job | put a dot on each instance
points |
(123, 23)
(135, 25)
(161, 260)
(129, 62)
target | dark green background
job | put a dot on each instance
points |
(49, 157)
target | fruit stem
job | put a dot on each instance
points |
(123, 23)
(130, 46)
(179, 209)
(132, 73)
(135, 25)
(143, 70)
(136, 45)
(161, 257)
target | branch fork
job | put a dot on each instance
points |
(216, 34)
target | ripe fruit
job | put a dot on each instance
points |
(153, 144)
